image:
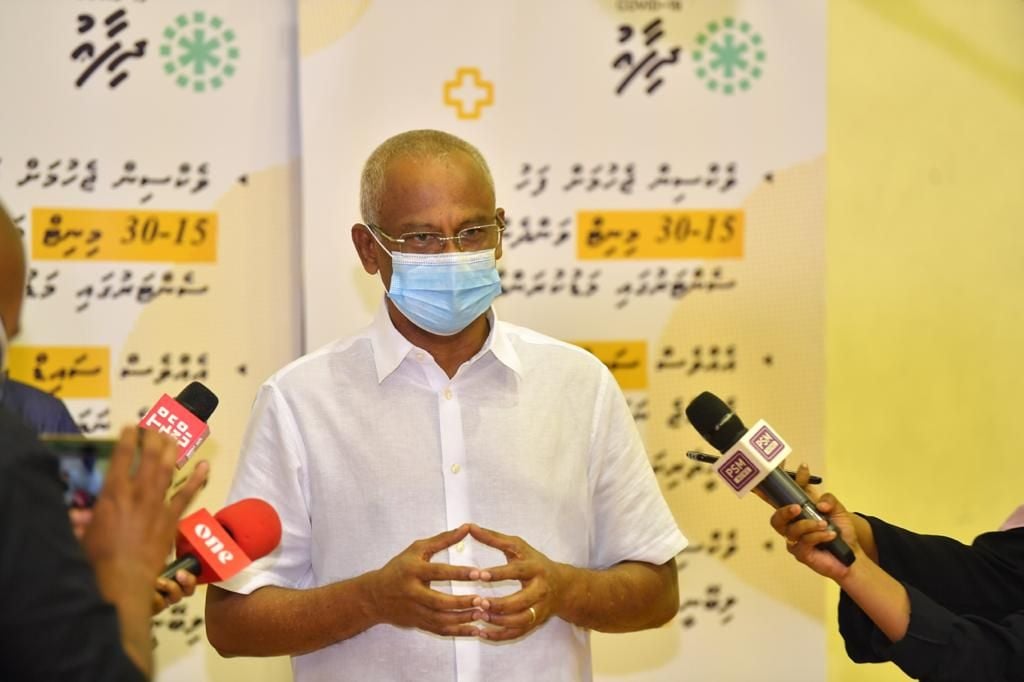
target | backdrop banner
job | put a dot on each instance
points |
(149, 154)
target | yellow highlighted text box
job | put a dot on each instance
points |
(136, 235)
(627, 361)
(703, 234)
(64, 371)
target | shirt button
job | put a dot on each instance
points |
(456, 468)
(461, 546)
(421, 356)
(447, 394)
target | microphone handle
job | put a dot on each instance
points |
(783, 490)
(187, 562)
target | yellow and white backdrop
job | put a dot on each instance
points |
(186, 174)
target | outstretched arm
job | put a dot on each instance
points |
(879, 595)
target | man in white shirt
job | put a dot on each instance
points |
(508, 459)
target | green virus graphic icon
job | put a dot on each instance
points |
(728, 56)
(199, 52)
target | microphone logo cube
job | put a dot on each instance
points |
(767, 443)
(219, 556)
(738, 470)
(171, 418)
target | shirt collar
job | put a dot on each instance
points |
(390, 348)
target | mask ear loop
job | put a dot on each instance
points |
(377, 239)
(4, 343)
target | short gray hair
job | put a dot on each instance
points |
(424, 144)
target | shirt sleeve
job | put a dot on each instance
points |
(40, 411)
(985, 578)
(632, 521)
(942, 647)
(271, 467)
(967, 606)
(55, 624)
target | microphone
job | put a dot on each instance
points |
(183, 418)
(750, 459)
(217, 547)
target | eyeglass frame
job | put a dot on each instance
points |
(441, 237)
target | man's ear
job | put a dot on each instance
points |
(366, 247)
(500, 213)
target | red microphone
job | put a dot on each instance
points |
(183, 418)
(217, 547)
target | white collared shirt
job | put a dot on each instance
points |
(366, 445)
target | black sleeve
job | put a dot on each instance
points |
(941, 646)
(54, 624)
(967, 606)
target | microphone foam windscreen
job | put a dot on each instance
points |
(715, 421)
(253, 524)
(199, 400)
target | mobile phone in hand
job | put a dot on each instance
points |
(82, 464)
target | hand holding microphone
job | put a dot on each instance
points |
(750, 460)
(806, 538)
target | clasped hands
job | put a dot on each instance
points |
(400, 592)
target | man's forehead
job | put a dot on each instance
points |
(423, 167)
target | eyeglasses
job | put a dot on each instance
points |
(476, 238)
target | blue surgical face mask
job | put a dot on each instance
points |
(443, 293)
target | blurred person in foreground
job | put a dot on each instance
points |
(941, 610)
(461, 498)
(78, 611)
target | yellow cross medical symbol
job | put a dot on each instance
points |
(468, 93)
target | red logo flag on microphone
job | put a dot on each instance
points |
(219, 556)
(170, 417)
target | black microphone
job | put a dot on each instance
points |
(199, 400)
(722, 428)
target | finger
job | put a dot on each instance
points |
(170, 590)
(440, 619)
(501, 634)
(517, 602)
(428, 547)
(511, 546)
(459, 631)
(185, 494)
(797, 529)
(453, 623)
(442, 601)
(119, 468)
(156, 463)
(80, 519)
(187, 581)
(158, 603)
(522, 620)
(783, 516)
(431, 571)
(520, 570)
(803, 476)
(831, 503)
(810, 541)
